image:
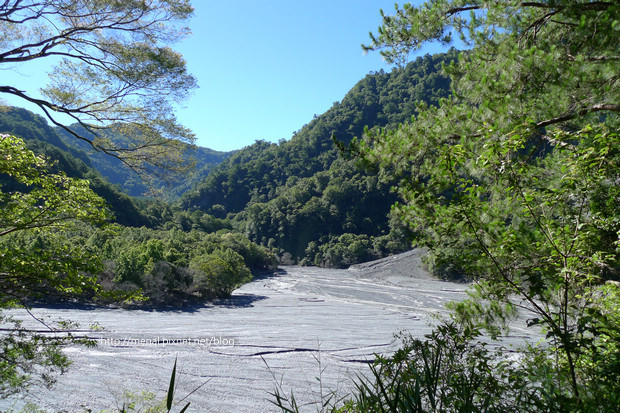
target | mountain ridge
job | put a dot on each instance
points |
(300, 197)
(304, 199)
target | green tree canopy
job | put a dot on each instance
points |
(114, 72)
(513, 181)
(36, 258)
(48, 201)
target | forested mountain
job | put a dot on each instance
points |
(43, 140)
(302, 197)
(380, 99)
(118, 173)
(145, 246)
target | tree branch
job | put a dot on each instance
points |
(46, 106)
(595, 5)
(601, 107)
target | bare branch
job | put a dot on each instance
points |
(601, 107)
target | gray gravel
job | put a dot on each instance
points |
(285, 329)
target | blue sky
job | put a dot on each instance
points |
(266, 67)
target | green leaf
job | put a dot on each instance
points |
(170, 395)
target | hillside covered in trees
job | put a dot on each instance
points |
(297, 201)
(44, 140)
(504, 161)
(140, 250)
(302, 198)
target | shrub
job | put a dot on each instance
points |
(219, 273)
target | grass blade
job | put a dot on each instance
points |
(171, 388)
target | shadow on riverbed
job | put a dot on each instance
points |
(238, 301)
(178, 304)
(234, 301)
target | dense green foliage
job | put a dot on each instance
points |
(513, 181)
(300, 197)
(277, 194)
(172, 267)
(255, 173)
(43, 211)
(154, 259)
(334, 218)
(35, 259)
(132, 261)
(43, 140)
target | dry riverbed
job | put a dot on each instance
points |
(283, 329)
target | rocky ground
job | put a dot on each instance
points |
(306, 330)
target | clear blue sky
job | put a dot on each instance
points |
(264, 67)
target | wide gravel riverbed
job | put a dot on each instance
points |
(285, 329)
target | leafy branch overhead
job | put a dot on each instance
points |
(520, 50)
(113, 71)
(513, 181)
(52, 200)
(38, 209)
(45, 204)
